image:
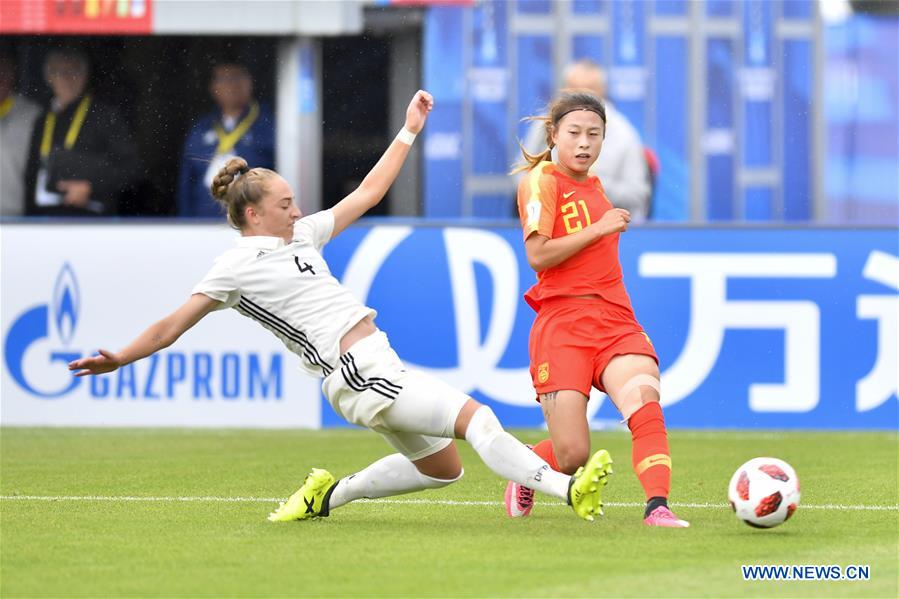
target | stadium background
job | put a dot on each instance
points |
(767, 279)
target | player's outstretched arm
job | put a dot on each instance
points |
(381, 177)
(544, 252)
(156, 337)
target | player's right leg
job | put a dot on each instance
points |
(565, 413)
(509, 458)
(561, 371)
(567, 449)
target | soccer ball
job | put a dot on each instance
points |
(764, 492)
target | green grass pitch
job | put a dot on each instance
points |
(457, 541)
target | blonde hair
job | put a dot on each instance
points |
(236, 186)
(565, 102)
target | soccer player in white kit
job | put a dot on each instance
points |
(277, 276)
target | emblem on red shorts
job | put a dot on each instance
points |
(543, 372)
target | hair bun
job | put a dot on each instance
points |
(226, 176)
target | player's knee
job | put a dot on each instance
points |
(649, 396)
(645, 395)
(640, 390)
(571, 457)
(433, 482)
(463, 420)
(483, 426)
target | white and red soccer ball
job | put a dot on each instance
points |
(764, 492)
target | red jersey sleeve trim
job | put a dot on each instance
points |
(539, 189)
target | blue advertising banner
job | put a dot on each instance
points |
(755, 328)
(62, 303)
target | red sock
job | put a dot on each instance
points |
(544, 449)
(652, 461)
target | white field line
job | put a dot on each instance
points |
(214, 499)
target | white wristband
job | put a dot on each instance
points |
(406, 136)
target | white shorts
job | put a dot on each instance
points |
(414, 412)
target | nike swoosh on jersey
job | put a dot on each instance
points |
(565, 196)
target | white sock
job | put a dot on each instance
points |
(510, 458)
(392, 475)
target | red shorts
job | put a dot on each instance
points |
(574, 339)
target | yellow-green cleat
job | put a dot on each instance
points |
(310, 501)
(585, 489)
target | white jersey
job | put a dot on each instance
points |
(289, 289)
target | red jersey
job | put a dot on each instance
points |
(553, 204)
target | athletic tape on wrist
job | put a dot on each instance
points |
(406, 136)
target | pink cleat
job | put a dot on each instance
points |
(519, 500)
(662, 516)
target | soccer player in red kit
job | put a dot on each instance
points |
(585, 333)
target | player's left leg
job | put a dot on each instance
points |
(423, 462)
(419, 428)
(632, 383)
(396, 474)
(436, 464)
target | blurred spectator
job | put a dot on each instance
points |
(17, 115)
(621, 166)
(239, 127)
(81, 156)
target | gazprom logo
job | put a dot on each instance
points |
(66, 300)
(46, 328)
(37, 350)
